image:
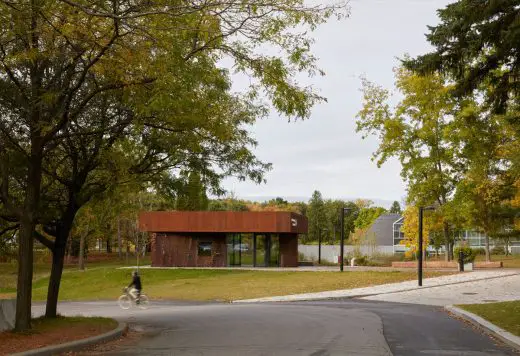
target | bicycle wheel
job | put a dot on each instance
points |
(144, 302)
(124, 302)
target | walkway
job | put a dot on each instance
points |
(440, 288)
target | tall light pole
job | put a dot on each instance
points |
(420, 252)
(342, 237)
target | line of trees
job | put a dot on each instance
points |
(456, 129)
(97, 95)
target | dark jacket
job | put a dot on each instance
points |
(136, 282)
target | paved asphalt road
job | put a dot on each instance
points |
(339, 327)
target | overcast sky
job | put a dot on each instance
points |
(325, 153)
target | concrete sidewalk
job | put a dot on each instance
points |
(501, 289)
(392, 289)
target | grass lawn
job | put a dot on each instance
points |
(102, 282)
(505, 314)
(8, 272)
(46, 332)
(511, 261)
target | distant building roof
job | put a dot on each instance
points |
(383, 230)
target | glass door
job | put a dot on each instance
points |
(246, 249)
(274, 251)
(263, 250)
(234, 257)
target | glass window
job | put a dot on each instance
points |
(205, 248)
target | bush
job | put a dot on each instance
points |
(361, 261)
(468, 253)
(481, 251)
(498, 250)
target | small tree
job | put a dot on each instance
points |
(316, 215)
(396, 208)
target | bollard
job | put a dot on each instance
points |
(461, 261)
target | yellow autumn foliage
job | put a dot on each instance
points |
(432, 221)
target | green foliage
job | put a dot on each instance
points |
(468, 253)
(395, 208)
(367, 216)
(476, 42)
(498, 250)
(417, 131)
(316, 215)
(227, 205)
(193, 195)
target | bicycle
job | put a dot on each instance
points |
(128, 299)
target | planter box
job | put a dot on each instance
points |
(426, 264)
(7, 314)
(492, 264)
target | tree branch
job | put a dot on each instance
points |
(43, 240)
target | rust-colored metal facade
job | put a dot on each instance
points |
(175, 236)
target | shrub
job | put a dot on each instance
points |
(468, 253)
(498, 250)
(361, 261)
(481, 251)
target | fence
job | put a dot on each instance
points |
(330, 253)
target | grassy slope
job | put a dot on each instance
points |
(8, 271)
(106, 283)
(505, 315)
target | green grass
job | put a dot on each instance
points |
(505, 314)
(511, 261)
(186, 284)
(104, 281)
(8, 271)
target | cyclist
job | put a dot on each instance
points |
(136, 283)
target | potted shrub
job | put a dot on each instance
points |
(468, 256)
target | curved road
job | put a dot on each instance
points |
(338, 327)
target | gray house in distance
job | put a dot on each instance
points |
(386, 233)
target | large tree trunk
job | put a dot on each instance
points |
(488, 255)
(447, 243)
(26, 242)
(58, 257)
(119, 244)
(81, 259)
(25, 275)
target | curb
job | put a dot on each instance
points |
(313, 296)
(504, 336)
(78, 344)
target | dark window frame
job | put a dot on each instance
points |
(204, 251)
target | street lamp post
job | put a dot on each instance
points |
(420, 252)
(342, 237)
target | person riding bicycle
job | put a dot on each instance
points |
(136, 283)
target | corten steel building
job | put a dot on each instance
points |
(223, 238)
